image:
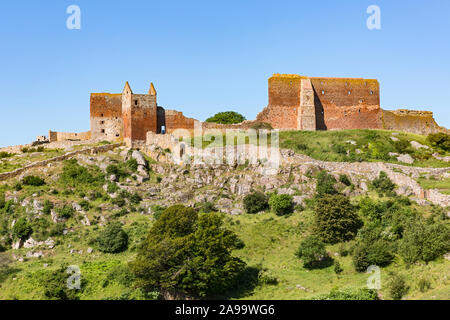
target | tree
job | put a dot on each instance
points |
(312, 252)
(281, 204)
(55, 285)
(255, 202)
(228, 117)
(335, 219)
(188, 254)
(113, 238)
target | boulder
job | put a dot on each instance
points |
(405, 158)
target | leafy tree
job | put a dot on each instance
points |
(228, 117)
(383, 185)
(312, 252)
(281, 204)
(255, 202)
(112, 239)
(377, 253)
(325, 184)
(22, 229)
(335, 219)
(439, 140)
(424, 241)
(188, 253)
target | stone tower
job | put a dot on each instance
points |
(139, 113)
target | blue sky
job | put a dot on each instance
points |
(210, 56)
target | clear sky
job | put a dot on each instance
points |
(210, 56)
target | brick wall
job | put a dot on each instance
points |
(343, 103)
(420, 122)
(176, 120)
(106, 116)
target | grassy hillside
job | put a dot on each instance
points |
(270, 240)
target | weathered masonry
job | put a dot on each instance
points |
(295, 103)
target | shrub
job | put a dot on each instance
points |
(4, 154)
(206, 207)
(343, 178)
(48, 206)
(325, 184)
(132, 164)
(312, 252)
(57, 229)
(255, 202)
(335, 219)
(439, 140)
(397, 287)
(18, 186)
(337, 268)
(265, 277)
(281, 204)
(424, 284)
(135, 198)
(377, 253)
(55, 285)
(157, 211)
(22, 229)
(228, 117)
(383, 185)
(65, 212)
(349, 294)
(33, 181)
(188, 253)
(2, 200)
(73, 175)
(112, 239)
(85, 205)
(424, 241)
(118, 201)
(112, 187)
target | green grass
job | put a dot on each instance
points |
(442, 185)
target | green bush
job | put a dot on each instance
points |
(65, 212)
(255, 202)
(424, 285)
(188, 253)
(55, 285)
(383, 185)
(312, 252)
(377, 253)
(343, 178)
(281, 204)
(337, 268)
(2, 200)
(135, 198)
(157, 211)
(112, 188)
(4, 154)
(85, 205)
(349, 294)
(33, 181)
(132, 165)
(424, 241)
(22, 229)
(439, 140)
(48, 206)
(325, 184)
(265, 277)
(397, 287)
(205, 207)
(73, 175)
(112, 239)
(335, 219)
(228, 117)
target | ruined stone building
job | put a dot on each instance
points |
(295, 103)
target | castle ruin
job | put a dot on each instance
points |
(295, 103)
